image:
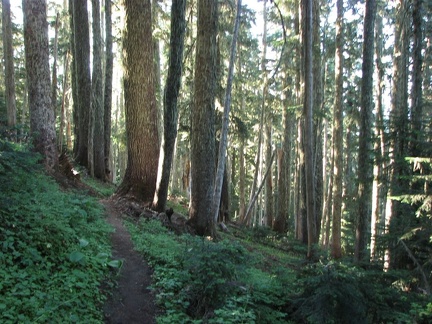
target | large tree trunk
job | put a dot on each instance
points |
(74, 83)
(318, 119)
(157, 67)
(82, 79)
(378, 215)
(202, 120)
(417, 79)
(171, 93)
(97, 100)
(9, 64)
(365, 164)
(109, 58)
(54, 67)
(140, 103)
(338, 137)
(38, 80)
(308, 127)
(284, 179)
(398, 127)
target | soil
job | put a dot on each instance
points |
(132, 301)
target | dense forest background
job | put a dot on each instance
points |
(312, 119)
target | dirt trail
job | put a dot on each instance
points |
(132, 301)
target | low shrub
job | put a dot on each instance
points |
(54, 251)
(337, 293)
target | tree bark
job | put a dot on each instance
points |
(378, 215)
(308, 128)
(318, 114)
(171, 93)
(140, 104)
(97, 138)
(417, 78)
(63, 103)
(365, 164)
(54, 67)
(109, 60)
(398, 125)
(9, 64)
(280, 224)
(82, 79)
(38, 79)
(338, 137)
(203, 119)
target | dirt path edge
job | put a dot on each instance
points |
(131, 301)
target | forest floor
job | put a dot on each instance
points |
(132, 301)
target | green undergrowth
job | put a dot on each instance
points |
(243, 279)
(200, 281)
(55, 260)
(102, 188)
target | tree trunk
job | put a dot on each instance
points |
(379, 144)
(97, 99)
(223, 143)
(157, 68)
(202, 121)
(308, 127)
(74, 82)
(82, 79)
(398, 125)
(63, 103)
(171, 94)
(140, 104)
(9, 64)
(242, 177)
(284, 179)
(38, 80)
(417, 79)
(338, 137)
(318, 99)
(54, 67)
(365, 164)
(109, 58)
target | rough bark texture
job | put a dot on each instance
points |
(73, 72)
(378, 214)
(318, 114)
(202, 121)
(284, 179)
(172, 87)
(398, 126)
(338, 137)
(417, 78)
(109, 60)
(9, 64)
(365, 163)
(38, 80)
(308, 127)
(54, 67)
(140, 103)
(97, 97)
(82, 79)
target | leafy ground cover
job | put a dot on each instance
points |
(54, 252)
(255, 277)
(56, 265)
